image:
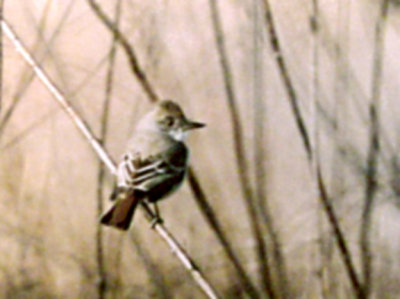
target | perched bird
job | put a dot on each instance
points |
(154, 163)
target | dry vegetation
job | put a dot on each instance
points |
(294, 190)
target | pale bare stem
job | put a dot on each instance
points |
(240, 154)
(371, 178)
(180, 252)
(105, 157)
(195, 186)
(320, 184)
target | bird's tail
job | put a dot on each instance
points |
(121, 213)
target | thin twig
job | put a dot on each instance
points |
(27, 76)
(105, 157)
(132, 57)
(341, 241)
(276, 47)
(195, 186)
(180, 252)
(21, 135)
(315, 91)
(322, 192)
(102, 282)
(80, 123)
(356, 91)
(373, 151)
(247, 192)
(201, 200)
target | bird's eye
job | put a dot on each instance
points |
(169, 121)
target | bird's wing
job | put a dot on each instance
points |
(143, 173)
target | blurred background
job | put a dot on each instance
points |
(295, 186)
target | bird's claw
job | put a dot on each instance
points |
(156, 220)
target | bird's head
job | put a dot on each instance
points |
(168, 117)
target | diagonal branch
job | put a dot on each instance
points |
(213, 221)
(26, 77)
(240, 155)
(276, 47)
(322, 192)
(339, 236)
(129, 51)
(176, 248)
(373, 151)
(197, 190)
(277, 256)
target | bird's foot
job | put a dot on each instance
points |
(156, 220)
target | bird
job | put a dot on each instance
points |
(153, 165)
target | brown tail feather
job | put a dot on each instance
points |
(121, 213)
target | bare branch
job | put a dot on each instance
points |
(245, 281)
(197, 190)
(82, 126)
(247, 192)
(322, 192)
(102, 281)
(339, 236)
(27, 75)
(132, 57)
(105, 157)
(276, 47)
(277, 258)
(373, 151)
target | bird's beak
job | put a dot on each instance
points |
(191, 125)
